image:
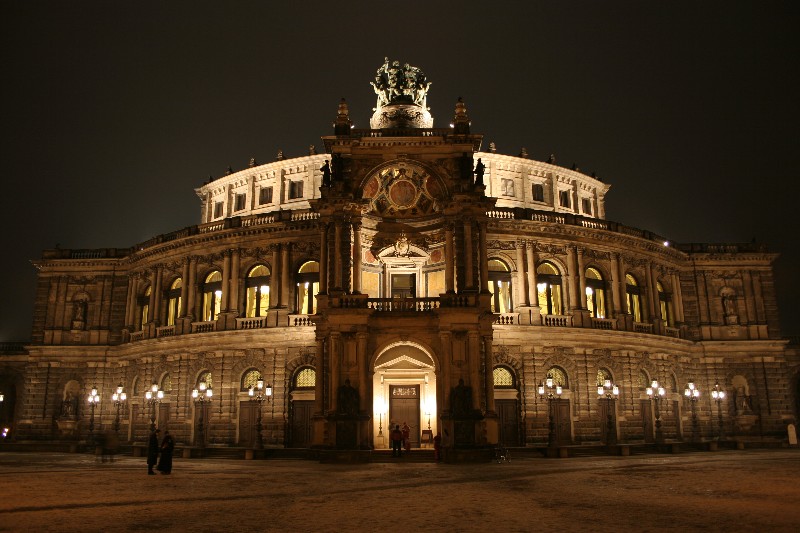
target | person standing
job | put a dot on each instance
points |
(152, 451)
(397, 440)
(167, 447)
(406, 437)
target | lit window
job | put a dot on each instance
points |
(166, 383)
(174, 302)
(664, 305)
(250, 379)
(548, 288)
(257, 291)
(499, 284)
(633, 295)
(306, 379)
(595, 293)
(602, 376)
(503, 377)
(144, 306)
(212, 296)
(307, 286)
(558, 376)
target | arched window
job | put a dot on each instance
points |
(135, 386)
(306, 378)
(633, 295)
(643, 380)
(212, 296)
(595, 293)
(503, 378)
(664, 305)
(548, 287)
(307, 286)
(603, 374)
(144, 306)
(166, 383)
(559, 376)
(174, 302)
(500, 286)
(250, 379)
(204, 377)
(257, 287)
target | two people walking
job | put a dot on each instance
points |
(160, 454)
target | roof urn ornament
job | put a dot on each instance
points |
(461, 120)
(343, 123)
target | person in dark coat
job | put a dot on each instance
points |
(167, 447)
(397, 441)
(152, 451)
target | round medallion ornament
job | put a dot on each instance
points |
(402, 194)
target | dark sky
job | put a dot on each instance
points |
(113, 112)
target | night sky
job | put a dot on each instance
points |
(113, 112)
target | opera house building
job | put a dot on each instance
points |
(405, 274)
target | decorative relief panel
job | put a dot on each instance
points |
(403, 190)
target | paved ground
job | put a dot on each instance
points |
(728, 491)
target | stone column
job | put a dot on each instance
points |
(323, 258)
(468, 274)
(581, 279)
(449, 263)
(233, 300)
(130, 298)
(522, 280)
(445, 339)
(155, 296)
(334, 350)
(286, 275)
(677, 298)
(483, 258)
(750, 308)
(489, 377)
(365, 400)
(474, 360)
(275, 278)
(226, 276)
(191, 293)
(319, 390)
(357, 257)
(337, 256)
(533, 291)
(648, 309)
(572, 262)
(184, 288)
(616, 284)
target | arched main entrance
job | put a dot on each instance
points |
(404, 391)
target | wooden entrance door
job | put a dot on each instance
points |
(561, 419)
(248, 417)
(404, 285)
(162, 417)
(201, 418)
(404, 407)
(508, 421)
(648, 426)
(301, 423)
(607, 407)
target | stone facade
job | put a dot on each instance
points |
(404, 276)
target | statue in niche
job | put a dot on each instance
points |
(326, 174)
(742, 402)
(729, 308)
(480, 168)
(461, 399)
(348, 399)
(69, 407)
(79, 310)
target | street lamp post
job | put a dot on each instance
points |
(119, 397)
(258, 394)
(611, 392)
(153, 397)
(552, 392)
(656, 393)
(692, 393)
(718, 394)
(94, 399)
(202, 395)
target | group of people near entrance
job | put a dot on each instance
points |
(401, 438)
(159, 455)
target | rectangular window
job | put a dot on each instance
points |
(538, 193)
(240, 202)
(563, 198)
(217, 209)
(587, 206)
(265, 195)
(295, 189)
(507, 187)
